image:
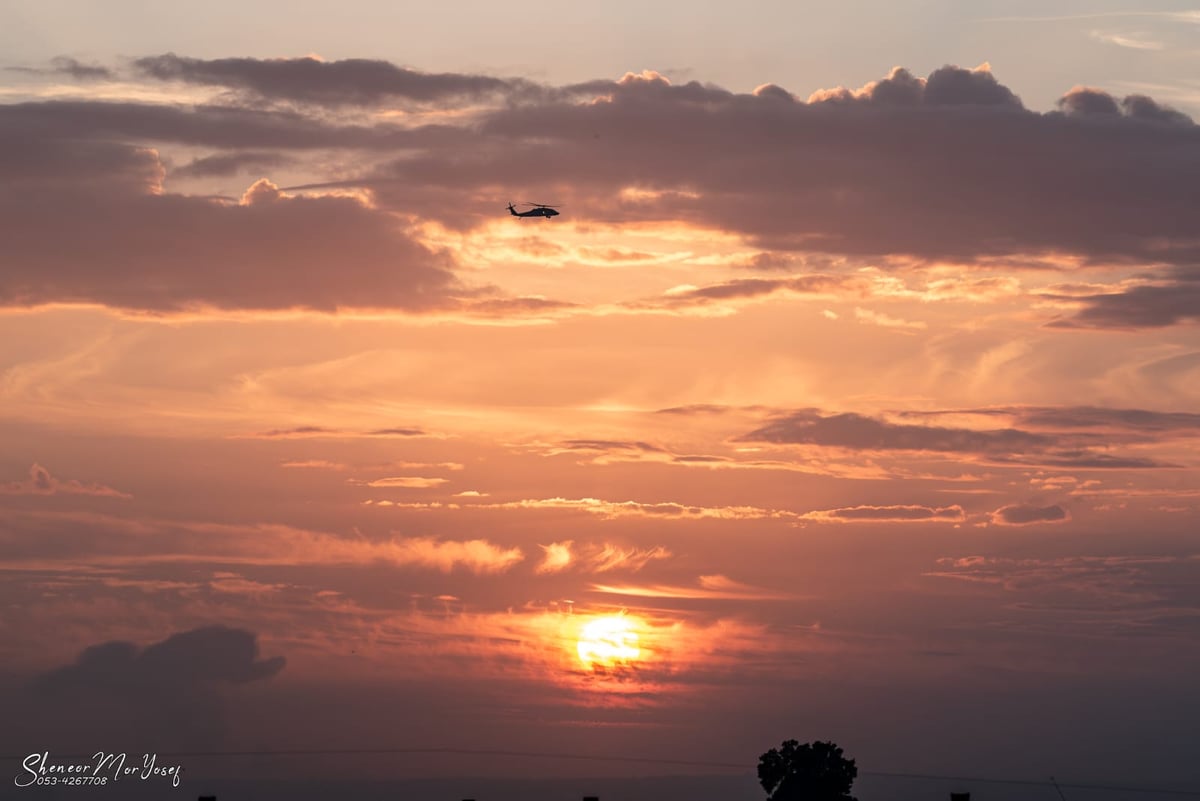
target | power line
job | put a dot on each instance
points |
(304, 752)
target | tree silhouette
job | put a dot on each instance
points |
(810, 772)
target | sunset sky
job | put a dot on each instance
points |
(854, 394)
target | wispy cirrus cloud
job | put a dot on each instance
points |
(710, 587)
(1133, 40)
(597, 558)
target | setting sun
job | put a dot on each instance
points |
(607, 642)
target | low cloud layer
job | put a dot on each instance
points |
(167, 694)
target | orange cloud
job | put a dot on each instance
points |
(889, 514)
(127, 541)
(710, 587)
(557, 557)
(404, 482)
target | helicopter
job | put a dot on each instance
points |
(538, 210)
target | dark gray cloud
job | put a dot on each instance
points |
(1023, 515)
(65, 65)
(1173, 299)
(80, 71)
(354, 81)
(1084, 102)
(227, 164)
(1086, 460)
(211, 655)
(213, 126)
(1100, 417)
(951, 167)
(1066, 447)
(165, 695)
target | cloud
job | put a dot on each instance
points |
(229, 164)
(306, 431)
(666, 510)
(1025, 515)
(65, 65)
(403, 482)
(859, 432)
(212, 654)
(612, 557)
(296, 431)
(478, 556)
(116, 239)
(397, 432)
(889, 514)
(165, 690)
(943, 167)
(1085, 102)
(315, 464)
(353, 81)
(1173, 299)
(557, 557)
(1070, 417)
(593, 558)
(40, 482)
(1128, 39)
(712, 587)
(1070, 446)
(949, 166)
(213, 126)
(608, 445)
(98, 539)
(871, 317)
(1106, 595)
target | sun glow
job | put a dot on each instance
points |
(608, 642)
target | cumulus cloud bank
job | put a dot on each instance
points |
(949, 166)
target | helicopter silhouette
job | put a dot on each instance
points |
(538, 210)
